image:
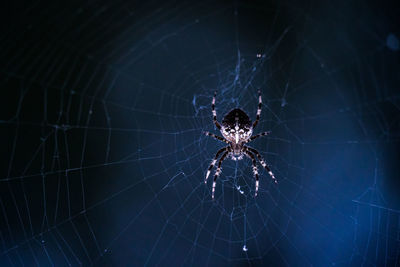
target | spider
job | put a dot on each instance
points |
(237, 131)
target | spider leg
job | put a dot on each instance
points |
(258, 109)
(260, 158)
(255, 170)
(216, 137)
(214, 161)
(218, 172)
(257, 136)
(214, 112)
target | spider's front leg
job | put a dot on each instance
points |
(218, 172)
(260, 158)
(255, 169)
(214, 161)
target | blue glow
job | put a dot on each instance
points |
(103, 110)
(392, 42)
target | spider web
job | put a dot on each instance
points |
(102, 115)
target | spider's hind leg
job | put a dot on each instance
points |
(214, 112)
(258, 109)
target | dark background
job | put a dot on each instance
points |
(102, 109)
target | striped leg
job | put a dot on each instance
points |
(257, 136)
(262, 162)
(214, 112)
(214, 161)
(216, 137)
(258, 109)
(255, 170)
(218, 172)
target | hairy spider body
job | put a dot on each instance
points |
(237, 130)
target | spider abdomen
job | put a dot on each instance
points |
(236, 127)
(236, 115)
